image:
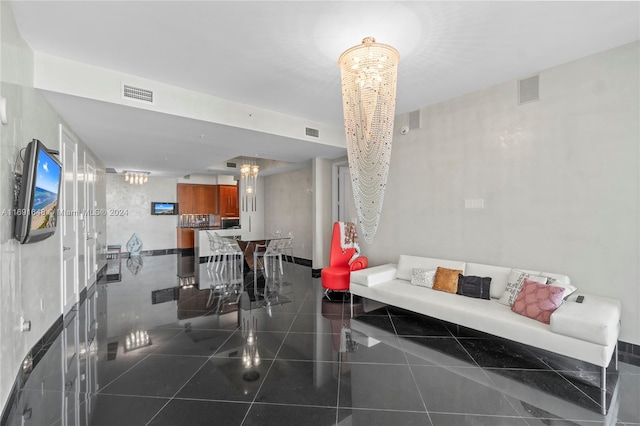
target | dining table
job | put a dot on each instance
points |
(248, 245)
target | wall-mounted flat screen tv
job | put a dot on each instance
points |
(158, 208)
(36, 213)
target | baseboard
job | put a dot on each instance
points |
(160, 252)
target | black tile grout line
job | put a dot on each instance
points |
(557, 372)
(413, 376)
(205, 362)
(532, 354)
(253, 401)
(100, 391)
(456, 338)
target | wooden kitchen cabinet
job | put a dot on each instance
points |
(197, 199)
(185, 238)
(228, 201)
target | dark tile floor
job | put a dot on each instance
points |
(281, 354)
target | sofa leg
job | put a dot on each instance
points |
(603, 390)
(616, 355)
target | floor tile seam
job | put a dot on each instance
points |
(485, 372)
(307, 361)
(158, 412)
(237, 330)
(415, 383)
(458, 413)
(469, 354)
(205, 362)
(541, 370)
(307, 294)
(198, 328)
(289, 404)
(124, 372)
(253, 401)
(397, 364)
(598, 402)
(168, 355)
(230, 401)
(168, 398)
(391, 410)
(565, 419)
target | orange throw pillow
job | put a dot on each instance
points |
(446, 280)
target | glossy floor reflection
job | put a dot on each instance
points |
(280, 354)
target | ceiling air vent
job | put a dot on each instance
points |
(136, 93)
(311, 132)
(111, 170)
(232, 165)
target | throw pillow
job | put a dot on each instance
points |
(514, 284)
(538, 301)
(446, 279)
(568, 288)
(472, 286)
(423, 277)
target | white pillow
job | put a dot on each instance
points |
(560, 281)
(423, 277)
(515, 283)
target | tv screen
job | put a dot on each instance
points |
(37, 208)
(164, 208)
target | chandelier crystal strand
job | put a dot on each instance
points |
(369, 76)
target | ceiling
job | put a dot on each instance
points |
(282, 56)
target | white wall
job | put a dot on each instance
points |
(30, 274)
(288, 200)
(559, 178)
(156, 232)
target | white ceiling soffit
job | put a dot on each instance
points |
(281, 56)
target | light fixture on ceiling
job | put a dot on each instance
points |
(248, 183)
(369, 75)
(136, 177)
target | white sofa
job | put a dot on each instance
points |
(585, 331)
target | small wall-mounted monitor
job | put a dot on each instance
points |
(36, 212)
(158, 208)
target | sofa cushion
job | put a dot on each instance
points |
(537, 301)
(596, 319)
(406, 264)
(371, 276)
(446, 279)
(423, 277)
(472, 286)
(514, 284)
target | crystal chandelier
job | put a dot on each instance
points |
(369, 74)
(248, 182)
(135, 177)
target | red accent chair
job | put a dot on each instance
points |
(336, 276)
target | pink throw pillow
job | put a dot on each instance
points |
(538, 301)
